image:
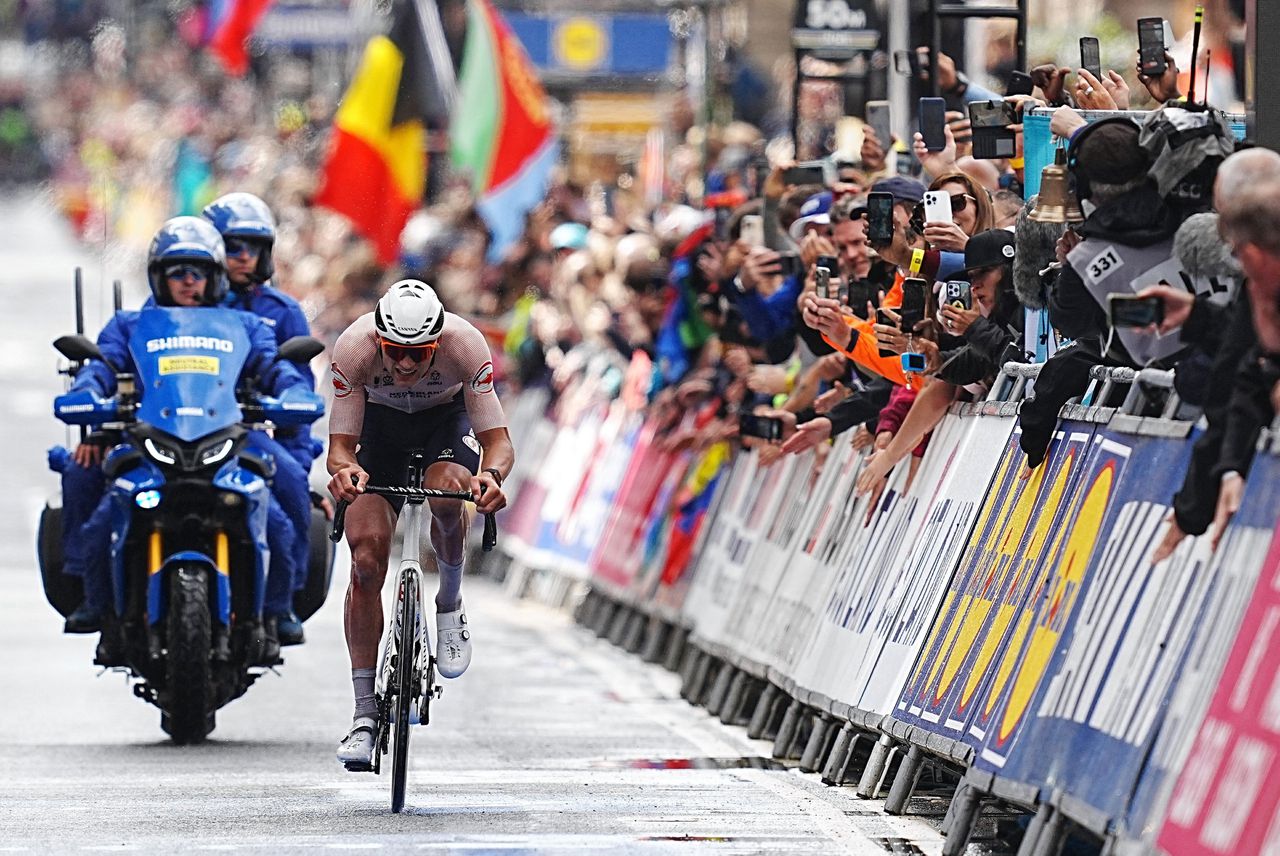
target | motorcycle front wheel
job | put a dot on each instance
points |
(187, 714)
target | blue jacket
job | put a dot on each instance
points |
(274, 375)
(281, 313)
(770, 316)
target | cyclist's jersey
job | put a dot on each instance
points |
(462, 364)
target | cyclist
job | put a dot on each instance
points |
(185, 267)
(410, 376)
(249, 232)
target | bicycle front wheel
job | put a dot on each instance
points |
(403, 678)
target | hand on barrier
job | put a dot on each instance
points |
(829, 399)
(1172, 538)
(873, 473)
(1065, 121)
(807, 435)
(861, 439)
(1229, 495)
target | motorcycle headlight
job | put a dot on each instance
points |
(159, 452)
(217, 452)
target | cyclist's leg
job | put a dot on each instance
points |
(448, 531)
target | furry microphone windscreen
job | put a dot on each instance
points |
(1202, 252)
(1036, 249)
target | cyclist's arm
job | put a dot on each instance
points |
(496, 453)
(344, 467)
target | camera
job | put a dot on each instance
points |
(913, 363)
(764, 427)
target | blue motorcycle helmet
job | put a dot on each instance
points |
(193, 240)
(245, 217)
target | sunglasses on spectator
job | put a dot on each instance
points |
(958, 203)
(417, 353)
(237, 246)
(183, 271)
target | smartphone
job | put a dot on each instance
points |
(1019, 83)
(1151, 46)
(957, 294)
(790, 264)
(1129, 310)
(764, 427)
(878, 118)
(805, 173)
(912, 309)
(1090, 56)
(933, 117)
(831, 263)
(880, 218)
(937, 207)
(992, 136)
(751, 230)
(721, 215)
(822, 282)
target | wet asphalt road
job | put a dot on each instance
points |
(544, 746)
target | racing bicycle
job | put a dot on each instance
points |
(406, 681)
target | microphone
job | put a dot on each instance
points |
(1202, 252)
(1035, 249)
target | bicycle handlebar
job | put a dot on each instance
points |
(417, 495)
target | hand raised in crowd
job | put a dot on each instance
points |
(808, 434)
(946, 236)
(814, 245)
(874, 150)
(1052, 81)
(825, 315)
(1118, 87)
(1065, 121)
(1173, 536)
(711, 262)
(767, 380)
(961, 132)
(958, 320)
(861, 439)
(829, 399)
(874, 471)
(1178, 304)
(760, 270)
(1069, 241)
(774, 185)
(937, 163)
(1165, 87)
(87, 455)
(1091, 94)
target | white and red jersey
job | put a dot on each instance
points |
(462, 364)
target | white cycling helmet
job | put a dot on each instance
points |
(409, 314)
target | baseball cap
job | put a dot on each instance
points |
(989, 249)
(569, 236)
(816, 210)
(904, 189)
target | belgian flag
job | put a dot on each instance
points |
(375, 173)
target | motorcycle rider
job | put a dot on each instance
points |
(186, 268)
(249, 232)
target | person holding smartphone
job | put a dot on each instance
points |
(971, 212)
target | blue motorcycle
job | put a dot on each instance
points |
(189, 499)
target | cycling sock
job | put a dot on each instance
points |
(366, 705)
(449, 595)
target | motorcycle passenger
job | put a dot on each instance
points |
(410, 375)
(185, 267)
(249, 231)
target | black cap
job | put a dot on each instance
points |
(903, 188)
(989, 249)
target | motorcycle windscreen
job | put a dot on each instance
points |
(189, 360)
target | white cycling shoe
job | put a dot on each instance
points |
(356, 749)
(453, 640)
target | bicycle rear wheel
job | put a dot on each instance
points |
(405, 659)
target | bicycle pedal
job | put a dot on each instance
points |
(439, 691)
(357, 767)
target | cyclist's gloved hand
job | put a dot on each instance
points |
(490, 497)
(348, 482)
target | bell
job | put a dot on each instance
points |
(1056, 203)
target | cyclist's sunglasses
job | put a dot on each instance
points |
(417, 353)
(239, 246)
(196, 272)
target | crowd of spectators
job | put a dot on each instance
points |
(767, 296)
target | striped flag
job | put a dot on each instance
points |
(375, 173)
(505, 136)
(231, 23)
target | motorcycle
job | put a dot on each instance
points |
(189, 499)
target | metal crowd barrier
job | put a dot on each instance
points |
(1008, 633)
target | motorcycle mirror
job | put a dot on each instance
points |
(77, 348)
(301, 349)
